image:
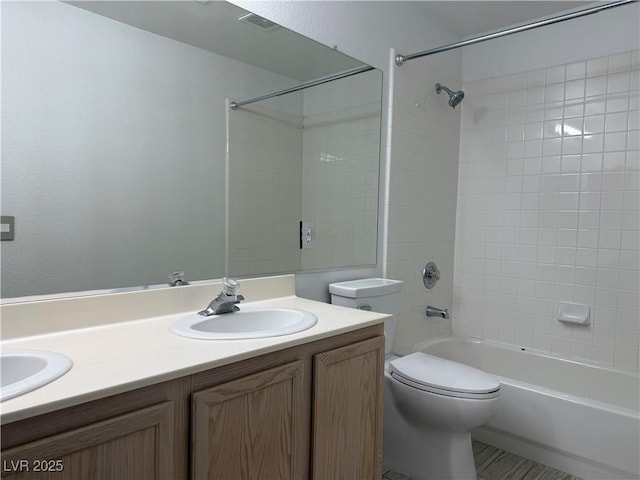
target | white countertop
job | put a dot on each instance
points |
(118, 357)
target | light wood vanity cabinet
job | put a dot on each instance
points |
(347, 411)
(133, 435)
(251, 427)
(309, 411)
(134, 445)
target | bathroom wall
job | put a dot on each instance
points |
(422, 194)
(107, 131)
(548, 208)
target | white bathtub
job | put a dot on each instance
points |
(575, 417)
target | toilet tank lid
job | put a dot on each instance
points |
(366, 287)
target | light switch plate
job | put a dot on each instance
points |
(6, 227)
(308, 235)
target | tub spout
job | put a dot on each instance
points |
(437, 312)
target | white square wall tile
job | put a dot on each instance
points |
(596, 86)
(620, 62)
(576, 70)
(585, 276)
(555, 74)
(593, 143)
(616, 122)
(609, 239)
(574, 89)
(608, 258)
(591, 163)
(597, 66)
(555, 92)
(613, 176)
(594, 124)
(603, 354)
(630, 240)
(618, 82)
(615, 141)
(626, 358)
(620, 102)
(536, 78)
(574, 107)
(595, 105)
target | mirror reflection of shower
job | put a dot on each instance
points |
(454, 97)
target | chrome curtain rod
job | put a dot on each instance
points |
(400, 59)
(313, 83)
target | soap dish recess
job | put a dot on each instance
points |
(577, 313)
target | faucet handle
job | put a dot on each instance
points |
(229, 286)
(177, 278)
(430, 275)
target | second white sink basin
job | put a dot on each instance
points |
(25, 370)
(249, 322)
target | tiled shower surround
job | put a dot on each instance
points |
(548, 209)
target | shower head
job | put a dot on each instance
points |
(454, 97)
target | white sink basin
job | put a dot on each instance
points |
(249, 322)
(25, 370)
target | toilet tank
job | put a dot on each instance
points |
(375, 294)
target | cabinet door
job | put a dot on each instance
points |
(136, 446)
(347, 412)
(251, 428)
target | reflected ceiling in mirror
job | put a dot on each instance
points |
(114, 136)
(216, 26)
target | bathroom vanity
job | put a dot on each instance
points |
(307, 405)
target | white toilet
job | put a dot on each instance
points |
(430, 404)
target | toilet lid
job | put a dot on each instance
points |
(443, 376)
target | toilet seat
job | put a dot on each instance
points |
(444, 377)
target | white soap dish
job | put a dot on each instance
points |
(577, 313)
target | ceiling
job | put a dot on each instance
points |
(470, 18)
(214, 26)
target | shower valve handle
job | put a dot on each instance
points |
(430, 275)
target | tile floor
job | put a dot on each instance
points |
(495, 464)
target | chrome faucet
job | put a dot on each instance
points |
(226, 301)
(437, 312)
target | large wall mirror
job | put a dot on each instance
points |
(122, 161)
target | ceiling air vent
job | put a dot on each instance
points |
(258, 22)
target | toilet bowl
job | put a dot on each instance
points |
(430, 404)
